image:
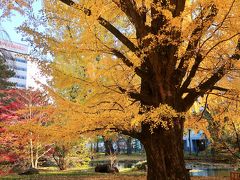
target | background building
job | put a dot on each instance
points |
(195, 142)
(14, 53)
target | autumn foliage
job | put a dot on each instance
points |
(138, 66)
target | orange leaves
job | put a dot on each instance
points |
(180, 51)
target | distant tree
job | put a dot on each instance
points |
(5, 73)
(24, 119)
(71, 153)
(108, 144)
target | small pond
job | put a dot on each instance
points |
(120, 165)
(210, 172)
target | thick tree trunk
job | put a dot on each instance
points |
(164, 150)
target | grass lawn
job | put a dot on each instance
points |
(51, 174)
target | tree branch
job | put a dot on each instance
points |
(136, 96)
(45, 152)
(204, 21)
(114, 129)
(179, 6)
(220, 25)
(220, 88)
(222, 41)
(129, 7)
(204, 87)
(106, 24)
(192, 73)
(128, 63)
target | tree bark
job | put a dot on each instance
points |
(164, 151)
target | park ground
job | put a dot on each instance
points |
(81, 174)
(87, 173)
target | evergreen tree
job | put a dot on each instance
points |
(5, 74)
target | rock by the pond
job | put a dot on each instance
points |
(106, 168)
(18, 168)
(48, 163)
(142, 165)
(30, 171)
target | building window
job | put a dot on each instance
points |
(18, 68)
(20, 60)
(20, 85)
(20, 77)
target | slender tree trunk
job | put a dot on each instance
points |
(164, 151)
(97, 146)
(129, 146)
(62, 163)
(118, 146)
(91, 147)
(108, 147)
(31, 153)
(36, 159)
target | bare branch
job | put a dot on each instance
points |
(113, 129)
(204, 21)
(220, 25)
(128, 63)
(220, 42)
(205, 108)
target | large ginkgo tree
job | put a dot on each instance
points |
(140, 65)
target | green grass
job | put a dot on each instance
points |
(88, 173)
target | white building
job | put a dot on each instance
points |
(15, 59)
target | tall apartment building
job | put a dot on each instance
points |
(16, 61)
